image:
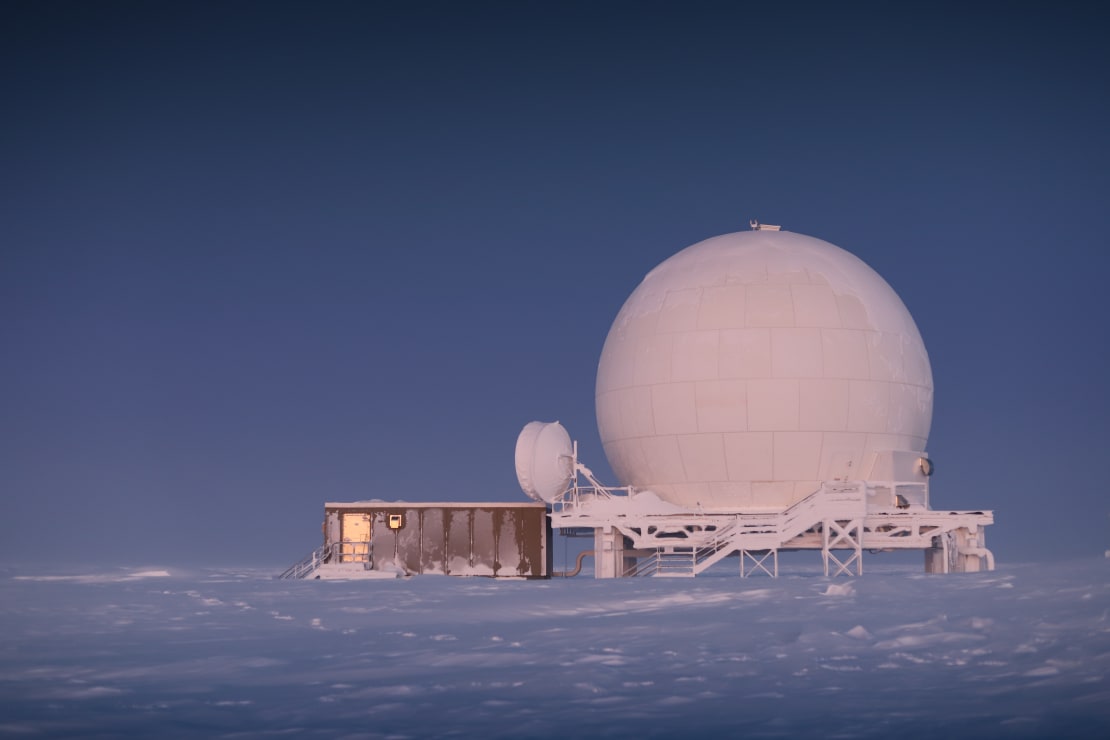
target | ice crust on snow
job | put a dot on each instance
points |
(1021, 652)
(109, 577)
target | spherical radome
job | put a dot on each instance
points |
(750, 367)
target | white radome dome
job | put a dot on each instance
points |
(750, 367)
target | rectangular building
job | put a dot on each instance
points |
(459, 539)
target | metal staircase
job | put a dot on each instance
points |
(835, 512)
(307, 565)
(675, 564)
(344, 554)
(840, 519)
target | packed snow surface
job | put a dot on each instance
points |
(1020, 652)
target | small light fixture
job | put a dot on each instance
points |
(396, 521)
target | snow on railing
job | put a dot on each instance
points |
(830, 501)
(835, 501)
(307, 564)
(344, 551)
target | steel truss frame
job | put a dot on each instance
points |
(753, 562)
(845, 534)
(835, 520)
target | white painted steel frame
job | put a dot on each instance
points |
(835, 520)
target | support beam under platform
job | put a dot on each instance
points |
(753, 562)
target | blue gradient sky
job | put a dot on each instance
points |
(256, 256)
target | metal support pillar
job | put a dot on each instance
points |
(843, 534)
(608, 553)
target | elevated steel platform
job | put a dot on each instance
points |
(841, 520)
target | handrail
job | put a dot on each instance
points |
(350, 551)
(793, 521)
(307, 564)
(699, 549)
(353, 551)
(645, 567)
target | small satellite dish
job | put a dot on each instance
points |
(544, 460)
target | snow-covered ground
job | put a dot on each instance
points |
(1020, 652)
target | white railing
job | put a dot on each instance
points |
(344, 551)
(837, 516)
(756, 532)
(307, 564)
(846, 500)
